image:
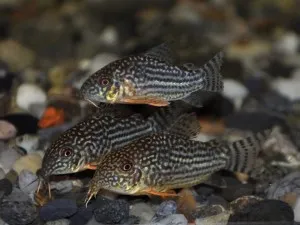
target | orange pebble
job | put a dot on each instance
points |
(52, 117)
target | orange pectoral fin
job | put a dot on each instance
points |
(145, 100)
(165, 194)
(91, 166)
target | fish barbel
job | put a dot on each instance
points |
(161, 162)
(79, 147)
(152, 78)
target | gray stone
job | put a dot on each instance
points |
(175, 219)
(59, 222)
(28, 181)
(143, 211)
(15, 211)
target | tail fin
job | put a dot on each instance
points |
(212, 78)
(243, 153)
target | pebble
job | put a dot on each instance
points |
(297, 210)
(112, 211)
(165, 209)
(59, 222)
(287, 87)
(31, 162)
(83, 215)
(264, 211)
(28, 94)
(58, 209)
(8, 158)
(235, 91)
(233, 192)
(220, 219)
(18, 209)
(7, 130)
(288, 184)
(18, 59)
(62, 187)
(2, 173)
(28, 181)
(100, 61)
(143, 211)
(175, 219)
(2, 222)
(287, 44)
(28, 142)
(5, 187)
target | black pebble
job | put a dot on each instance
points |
(83, 215)
(264, 211)
(58, 209)
(18, 213)
(235, 191)
(112, 212)
(5, 187)
(253, 121)
(25, 123)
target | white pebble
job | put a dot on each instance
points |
(7, 159)
(2, 222)
(59, 222)
(143, 211)
(175, 219)
(28, 142)
(297, 210)
(29, 94)
(109, 36)
(235, 91)
(287, 44)
(287, 87)
(7, 130)
(28, 181)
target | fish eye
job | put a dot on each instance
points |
(103, 81)
(127, 166)
(67, 152)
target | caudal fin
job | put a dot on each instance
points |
(243, 153)
(212, 80)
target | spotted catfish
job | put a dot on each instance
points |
(158, 163)
(152, 78)
(79, 147)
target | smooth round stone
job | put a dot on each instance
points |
(2, 173)
(63, 186)
(264, 211)
(28, 94)
(235, 91)
(287, 87)
(28, 181)
(101, 60)
(31, 162)
(7, 130)
(28, 142)
(297, 209)
(5, 187)
(235, 191)
(175, 219)
(83, 215)
(58, 209)
(165, 209)
(59, 222)
(288, 184)
(7, 159)
(113, 211)
(143, 211)
(15, 212)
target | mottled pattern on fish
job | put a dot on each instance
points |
(100, 133)
(164, 161)
(151, 77)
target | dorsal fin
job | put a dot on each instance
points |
(162, 52)
(186, 125)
